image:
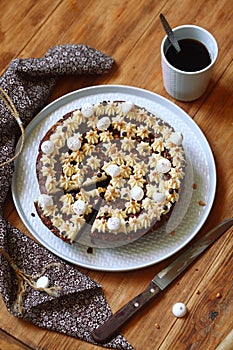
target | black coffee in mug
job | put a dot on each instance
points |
(193, 56)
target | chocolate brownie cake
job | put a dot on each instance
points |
(108, 173)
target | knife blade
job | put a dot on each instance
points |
(165, 277)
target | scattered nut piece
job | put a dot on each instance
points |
(157, 326)
(89, 250)
(201, 203)
(218, 295)
(198, 292)
(194, 186)
(173, 233)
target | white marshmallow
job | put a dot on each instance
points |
(176, 138)
(44, 201)
(42, 282)
(47, 147)
(136, 193)
(113, 223)
(163, 165)
(126, 106)
(74, 143)
(159, 197)
(113, 170)
(179, 310)
(79, 207)
(87, 109)
(103, 123)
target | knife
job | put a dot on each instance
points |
(108, 329)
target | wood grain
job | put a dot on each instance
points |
(131, 32)
(7, 342)
(20, 21)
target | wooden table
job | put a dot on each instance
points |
(131, 32)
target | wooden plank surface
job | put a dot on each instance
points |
(20, 21)
(130, 31)
(8, 342)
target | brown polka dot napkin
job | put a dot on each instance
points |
(72, 303)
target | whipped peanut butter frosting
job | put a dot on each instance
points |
(110, 170)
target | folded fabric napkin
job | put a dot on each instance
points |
(69, 302)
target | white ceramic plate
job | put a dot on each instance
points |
(147, 250)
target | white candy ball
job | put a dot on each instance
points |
(159, 197)
(179, 310)
(74, 143)
(176, 138)
(87, 109)
(42, 282)
(113, 223)
(163, 165)
(103, 123)
(79, 207)
(136, 193)
(113, 170)
(44, 201)
(47, 147)
(126, 106)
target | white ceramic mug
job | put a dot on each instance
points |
(188, 86)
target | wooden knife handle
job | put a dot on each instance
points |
(107, 330)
